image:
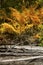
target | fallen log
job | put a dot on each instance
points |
(21, 47)
(21, 59)
(13, 50)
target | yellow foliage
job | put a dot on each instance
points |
(5, 27)
(19, 21)
(37, 36)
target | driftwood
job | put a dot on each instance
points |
(21, 59)
(30, 53)
(21, 47)
(21, 50)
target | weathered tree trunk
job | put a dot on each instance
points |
(17, 55)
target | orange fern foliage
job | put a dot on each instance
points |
(31, 14)
(25, 15)
(17, 15)
(41, 11)
(34, 17)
